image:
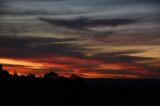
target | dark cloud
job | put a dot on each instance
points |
(63, 49)
(37, 9)
(19, 42)
(34, 46)
(41, 11)
(123, 56)
(2, 4)
(23, 47)
(41, 0)
(84, 22)
(125, 2)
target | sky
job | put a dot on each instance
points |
(90, 38)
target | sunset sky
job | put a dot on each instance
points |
(91, 38)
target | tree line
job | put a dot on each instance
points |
(4, 74)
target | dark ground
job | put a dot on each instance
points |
(81, 92)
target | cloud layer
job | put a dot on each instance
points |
(98, 38)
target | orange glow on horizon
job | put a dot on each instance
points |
(99, 75)
(71, 66)
(22, 63)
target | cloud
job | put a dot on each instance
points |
(120, 56)
(125, 73)
(129, 28)
(37, 7)
(82, 23)
(115, 64)
(25, 47)
(2, 4)
(57, 56)
(31, 46)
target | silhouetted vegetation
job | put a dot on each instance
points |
(53, 90)
(51, 75)
(5, 75)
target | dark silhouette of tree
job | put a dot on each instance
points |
(1, 67)
(51, 75)
(31, 76)
(15, 73)
(3, 73)
(22, 76)
(74, 76)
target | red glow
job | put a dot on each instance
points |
(70, 65)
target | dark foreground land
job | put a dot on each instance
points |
(81, 92)
(55, 90)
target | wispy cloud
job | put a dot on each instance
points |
(96, 38)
